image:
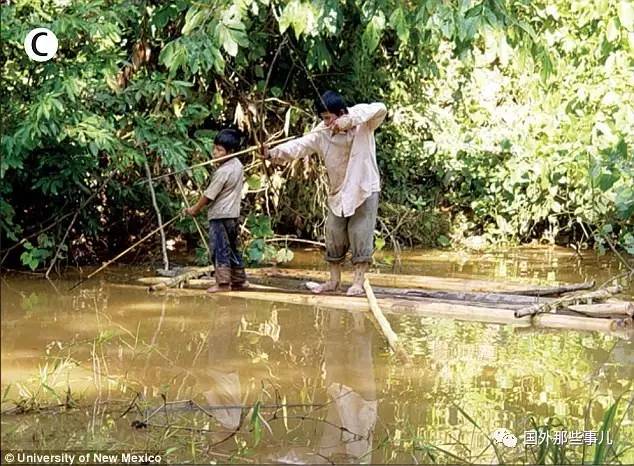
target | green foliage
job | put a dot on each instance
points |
(33, 257)
(514, 116)
(257, 250)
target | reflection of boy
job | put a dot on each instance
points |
(223, 196)
(223, 361)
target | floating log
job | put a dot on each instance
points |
(384, 325)
(606, 309)
(409, 281)
(501, 300)
(567, 322)
(573, 298)
(470, 297)
(167, 282)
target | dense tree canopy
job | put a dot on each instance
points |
(511, 120)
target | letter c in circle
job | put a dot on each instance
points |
(34, 44)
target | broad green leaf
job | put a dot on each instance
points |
(373, 32)
(193, 19)
(399, 23)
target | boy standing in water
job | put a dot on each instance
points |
(223, 196)
(345, 141)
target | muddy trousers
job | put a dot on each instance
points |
(354, 233)
(225, 255)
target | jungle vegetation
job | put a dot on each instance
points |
(509, 120)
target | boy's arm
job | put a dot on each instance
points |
(194, 210)
(215, 186)
(298, 148)
(370, 114)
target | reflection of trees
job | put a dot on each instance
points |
(351, 387)
(502, 378)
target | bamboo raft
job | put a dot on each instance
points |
(564, 306)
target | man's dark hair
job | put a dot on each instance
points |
(331, 101)
(229, 139)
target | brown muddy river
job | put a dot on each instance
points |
(110, 367)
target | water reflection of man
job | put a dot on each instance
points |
(351, 388)
(223, 359)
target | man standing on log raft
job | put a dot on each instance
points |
(349, 153)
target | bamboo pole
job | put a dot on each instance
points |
(219, 159)
(166, 263)
(403, 281)
(290, 239)
(121, 254)
(384, 324)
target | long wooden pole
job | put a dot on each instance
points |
(219, 159)
(605, 309)
(384, 324)
(123, 253)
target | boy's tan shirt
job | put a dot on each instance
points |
(225, 190)
(350, 157)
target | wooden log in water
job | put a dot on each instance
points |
(468, 297)
(567, 322)
(166, 282)
(406, 281)
(605, 309)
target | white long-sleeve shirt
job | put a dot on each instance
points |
(350, 157)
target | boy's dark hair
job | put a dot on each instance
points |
(229, 139)
(331, 101)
